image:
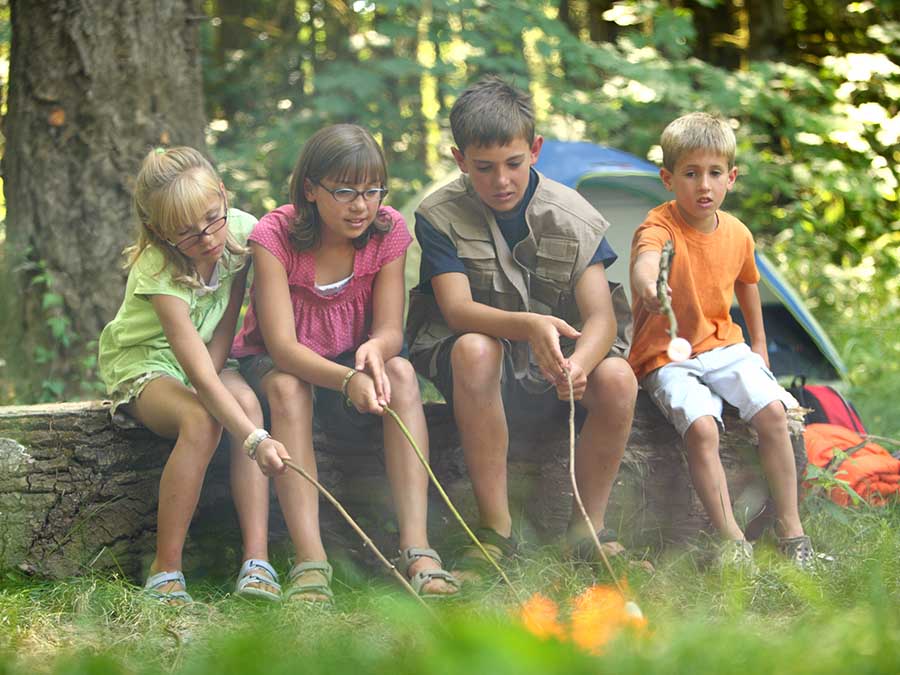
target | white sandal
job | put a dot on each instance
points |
(156, 581)
(247, 576)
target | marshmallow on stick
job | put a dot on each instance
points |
(679, 349)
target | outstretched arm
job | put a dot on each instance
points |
(464, 315)
(644, 273)
(219, 345)
(751, 307)
(192, 354)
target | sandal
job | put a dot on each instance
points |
(502, 550)
(799, 550)
(295, 585)
(419, 580)
(172, 598)
(258, 572)
(585, 550)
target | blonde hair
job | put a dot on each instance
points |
(697, 131)
(172, 189)
(345, 153)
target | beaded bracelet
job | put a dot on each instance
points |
(252, 442)
(345, 385)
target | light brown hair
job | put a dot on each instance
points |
(344, 153)
(697, 131)
(490, 113)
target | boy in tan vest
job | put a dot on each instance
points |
(512, 294)
(713, 262)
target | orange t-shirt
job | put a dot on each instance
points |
(704, 270)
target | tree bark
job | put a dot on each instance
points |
(76, 493)
(92, 87)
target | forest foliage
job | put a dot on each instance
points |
(810, 86)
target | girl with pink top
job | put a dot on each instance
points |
(325, 326)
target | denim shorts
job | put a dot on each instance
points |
(331, 413)
(695, 388)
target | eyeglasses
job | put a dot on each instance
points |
(192, 240)
(346, 195)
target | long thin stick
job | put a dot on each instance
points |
(576, 491)
(366, 540)
(449, 503)
(662, 286)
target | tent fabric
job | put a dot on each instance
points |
(601, 174)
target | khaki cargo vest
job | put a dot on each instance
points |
(538, 275)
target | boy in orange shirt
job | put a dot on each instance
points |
(713, 261)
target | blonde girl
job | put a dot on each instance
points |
(324, 326)
(163, 356)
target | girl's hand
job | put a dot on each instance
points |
(370, 360)
(362, 394)
(269, 455)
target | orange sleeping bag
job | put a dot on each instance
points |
(869, 469)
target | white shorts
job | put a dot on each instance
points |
(692, 389)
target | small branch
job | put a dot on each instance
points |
(662, 286)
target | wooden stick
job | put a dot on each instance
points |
(662, 286)
(366, 540)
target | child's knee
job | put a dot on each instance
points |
(200, 430)
(703, 434)
(614, 379)
(476, 358)
(404, 383)
(249, 403)
(288, 396)
(771, 418)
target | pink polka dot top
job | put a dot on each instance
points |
(329, 324)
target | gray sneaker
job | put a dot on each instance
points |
(799, 550)
(737, 554)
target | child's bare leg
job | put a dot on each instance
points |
(172, 410)
(777, 457)
(291, 405)
(708, 476)
(609, 399)
(477, 404)
(408, 478)
(249, 486)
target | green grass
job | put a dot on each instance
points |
(844, 618)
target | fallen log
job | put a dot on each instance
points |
(77, 493)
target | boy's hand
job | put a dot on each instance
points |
(362, 394)
(579, 382)
(544, 340)
(269, 455)
(369, 359)
(650, 300)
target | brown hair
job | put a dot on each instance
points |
(697, 131)
(491, 112)
(344, 153)
(173, 187)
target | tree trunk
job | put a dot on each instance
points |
(93, 86)
(76, 493)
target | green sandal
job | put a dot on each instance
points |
(585, 549)
(419, 580)
(296, 586)
(502, 550)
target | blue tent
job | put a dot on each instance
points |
(624, 187)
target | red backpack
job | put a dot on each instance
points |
(827, 404)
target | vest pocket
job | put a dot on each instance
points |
(556, 258)
(481, 263)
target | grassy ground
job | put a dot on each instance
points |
(843, 618)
